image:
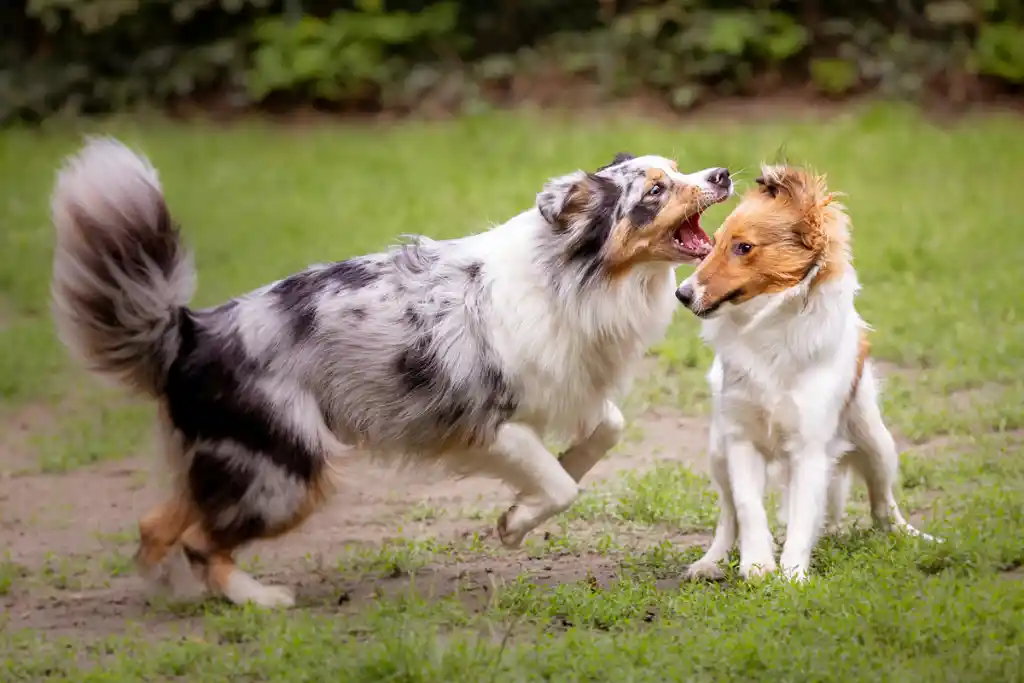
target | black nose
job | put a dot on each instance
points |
(685, 295)
(720, 177)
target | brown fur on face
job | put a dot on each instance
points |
(646, 233)
(781, 229)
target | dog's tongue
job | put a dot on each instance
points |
(693, 238)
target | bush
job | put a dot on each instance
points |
(102, 55)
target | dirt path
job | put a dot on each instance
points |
(88, 515)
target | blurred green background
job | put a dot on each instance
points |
(401, 55)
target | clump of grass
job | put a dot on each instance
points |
(669, 494)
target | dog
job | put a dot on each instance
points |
(792, 383)
(463, 353)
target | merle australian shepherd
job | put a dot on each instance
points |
(464, 353)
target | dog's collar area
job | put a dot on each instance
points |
(813, 270)
(801, 290)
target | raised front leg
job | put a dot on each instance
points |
(581, 457)
(544, 487)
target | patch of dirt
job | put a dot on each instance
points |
(78, 513)
(474, 580)
(16, 429)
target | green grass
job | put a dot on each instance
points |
(937, 246)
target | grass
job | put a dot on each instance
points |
(938, 252)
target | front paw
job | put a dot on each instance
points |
(795, 573)
(757, 568)
(705, 571)
(509, 536)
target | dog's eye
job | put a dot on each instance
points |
(742, 248)
(655, 190)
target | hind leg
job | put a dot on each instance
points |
(158, 557)
(214, 561)
(838, 490)
(244, 497)
(875, 456)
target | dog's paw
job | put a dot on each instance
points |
(241, 589)
(270, 597)
(758, 568)
(509, 538)
(796, 574)
(273, 597)
(705, 571)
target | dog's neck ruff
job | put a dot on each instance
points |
(801, 290)
(568, 341)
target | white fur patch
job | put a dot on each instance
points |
(242, 588)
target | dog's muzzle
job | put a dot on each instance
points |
(685, 294)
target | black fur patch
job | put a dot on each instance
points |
(643, 213)
(501, 397)
(297, 293)
(586, 248)
(621, 157)
(114, 252)
(351, 274)
(473, 271)
(216, 486)
(194, 556)
(210, 398)
(412, 318)
(359, 313)
(458, 409)
(417, 365)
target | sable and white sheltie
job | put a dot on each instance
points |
(791, 382)
(464, 353)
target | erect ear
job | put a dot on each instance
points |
(768, 185)
(776, 179)
(790, 182)
(620, 158)
(564, 197)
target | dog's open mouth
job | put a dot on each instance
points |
(690, 240)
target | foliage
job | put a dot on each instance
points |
(99, 55)
(999, 51)
(351, 56)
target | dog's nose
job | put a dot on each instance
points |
(685, 294)
(719, 177)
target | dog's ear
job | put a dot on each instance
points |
(775, 179)
(620, 158)
(790, 182)
(768, 186)
(805, 191)
(564, 197)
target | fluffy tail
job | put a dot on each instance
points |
(121, 274)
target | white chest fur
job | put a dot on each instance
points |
(787, 375)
